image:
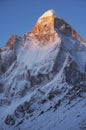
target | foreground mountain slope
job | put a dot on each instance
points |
(43, 78)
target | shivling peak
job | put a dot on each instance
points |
(40, 73)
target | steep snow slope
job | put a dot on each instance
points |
(43, 78)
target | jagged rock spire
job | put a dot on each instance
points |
(45, 23)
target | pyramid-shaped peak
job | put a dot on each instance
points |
(49, 13)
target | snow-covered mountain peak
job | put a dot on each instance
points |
(43, 78)
(49, 13)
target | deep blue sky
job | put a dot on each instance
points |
(19, 16)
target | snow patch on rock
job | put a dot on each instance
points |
(49, 13)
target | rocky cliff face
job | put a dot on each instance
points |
(44, 29)
(43, 78)
(45, 25)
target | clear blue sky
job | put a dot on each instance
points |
(19, 16)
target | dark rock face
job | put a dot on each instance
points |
(39, 79)
(66, 29)
(73, 75)
(1, 88)
(0, 63)
(19, 113)
(9, 120)
(7, 61)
